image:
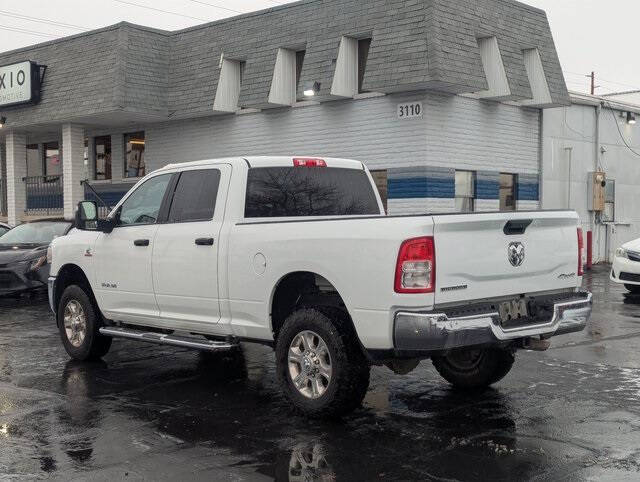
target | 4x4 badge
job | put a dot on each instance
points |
(515, 253)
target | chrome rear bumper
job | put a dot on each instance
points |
(437, 332)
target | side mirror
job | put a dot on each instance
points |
(87, 216)
(106, 225)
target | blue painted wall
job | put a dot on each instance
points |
(421, 182)
(426, 182)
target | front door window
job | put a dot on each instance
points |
(143, 205)
(103, 157)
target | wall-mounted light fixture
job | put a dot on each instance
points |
(3, 121)
(311, 89)
(631, 118)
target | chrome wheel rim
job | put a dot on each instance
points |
(75, 323)
(310, 364)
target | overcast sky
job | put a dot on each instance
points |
(590, 35)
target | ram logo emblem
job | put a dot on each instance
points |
(515, 253)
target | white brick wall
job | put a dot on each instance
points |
(485, 205)
(420, 206)
(527, 205)
(454, 132)
(16, 170)
(72, 167)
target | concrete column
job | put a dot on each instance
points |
(3, 177)
(72, 167)
(117, 157)
(16, 170)
(3, 161)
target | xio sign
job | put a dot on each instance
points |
(19, 84)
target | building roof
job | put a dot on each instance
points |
(621, 104)
(616, 94)
(139, 73)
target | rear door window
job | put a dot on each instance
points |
(308, 191)
(195, 196)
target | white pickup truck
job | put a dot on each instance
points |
(297, 253)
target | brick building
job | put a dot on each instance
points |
(443, 99)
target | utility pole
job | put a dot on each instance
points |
(592, 76)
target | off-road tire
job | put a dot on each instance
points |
(633, 289)
(94, 345)
(492, 367)
(350, 369)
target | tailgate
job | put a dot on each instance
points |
(502, 254)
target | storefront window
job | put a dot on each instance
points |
(465, 191)
(52, 159)
(34, 163)
(508, 184)
(134, 155)
(103, 157)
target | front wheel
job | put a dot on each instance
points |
(79, 324)
(474, 368)
(633, 289)
(321, 368)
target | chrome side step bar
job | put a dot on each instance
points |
(172, 340)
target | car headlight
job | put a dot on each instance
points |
(49, 255)
(38, 263)
(621, 253)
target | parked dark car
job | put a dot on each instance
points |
(4, 228)
(23, 255)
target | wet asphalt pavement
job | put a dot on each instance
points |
(156, 413)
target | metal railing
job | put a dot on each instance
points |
(44, 194)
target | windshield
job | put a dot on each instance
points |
(35, 233)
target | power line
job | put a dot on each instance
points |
(615, 120)
(4, 13)
(216, 6)
(161, 11)
(635, 87)
(29, 32)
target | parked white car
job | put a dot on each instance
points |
(626, 266)
(297, 253)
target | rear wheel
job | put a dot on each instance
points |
(635, 289)
(321, 368)
(79, 324)
(474, 368)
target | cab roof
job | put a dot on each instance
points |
(267, 161)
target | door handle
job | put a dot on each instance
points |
(204, 241)
(141, 242)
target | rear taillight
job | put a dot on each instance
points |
(416, 267)
(308, 162)
(580, 252)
